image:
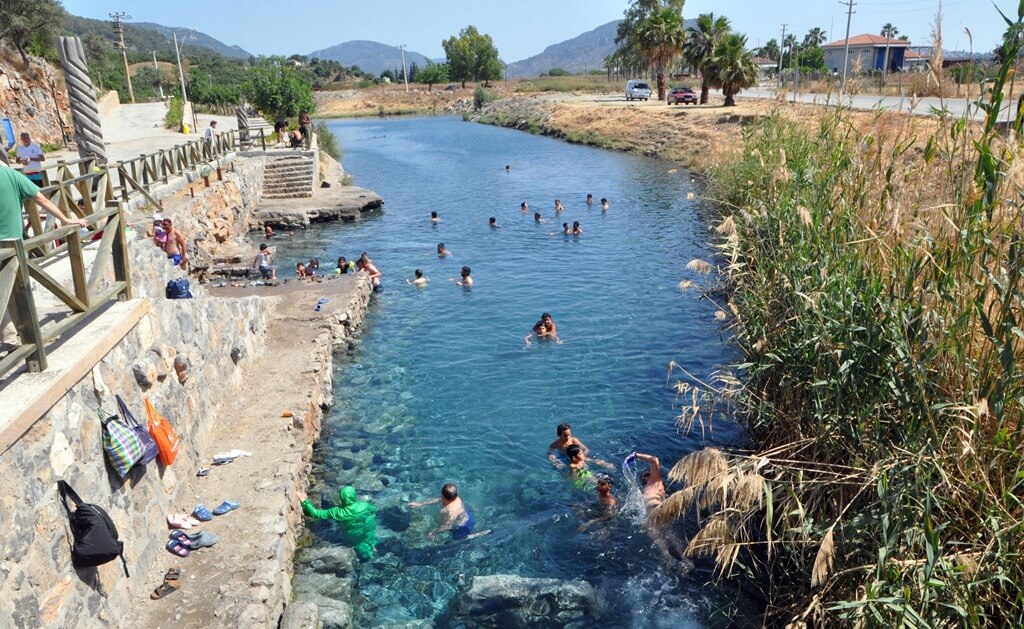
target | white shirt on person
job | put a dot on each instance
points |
(210, 133)
(34, 154)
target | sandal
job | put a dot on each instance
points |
(226, 507)
(171, 584)
(202, 514)
(177, 547)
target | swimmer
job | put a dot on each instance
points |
(606, 502)
(421, 280)
(434, 218)
(564, 440)
(653, 484)
(453, 515)
(604, 204)
(566, 230)
(344, 266)
(580, 476)
(442, 251)
(590, 199)
(537, 218)
(523, 207)
(493, 222)
(466, 279)
(576, 229)
(507, 168)
(558, 206)
(544, 329)
(268, 231)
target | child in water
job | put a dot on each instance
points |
(434, 218)
(442, 251)
(544, 329)
(300, 271)
(421, 281)
(493, 222)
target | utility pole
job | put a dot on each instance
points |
(782, 42)
(405, 70)
(119, 31)
(160, 82)
(846, 48)
(181, 75)
(970, 63)
(796, 67)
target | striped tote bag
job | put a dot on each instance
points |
(122, 445)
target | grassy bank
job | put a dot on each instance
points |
(875, 275)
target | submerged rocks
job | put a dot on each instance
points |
(510, 601)
(335, 560)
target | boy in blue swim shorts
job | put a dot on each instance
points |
(453, 515)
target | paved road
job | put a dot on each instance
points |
(921, 106)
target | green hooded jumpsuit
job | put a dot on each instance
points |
(357, 518)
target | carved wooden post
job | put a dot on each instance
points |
(85, 113)
(243, 128)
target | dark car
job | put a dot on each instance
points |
(684, 95)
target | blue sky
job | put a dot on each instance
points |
(522, 28)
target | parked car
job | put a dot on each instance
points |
(684, 95)
(637, 90)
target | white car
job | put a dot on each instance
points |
(637, 90)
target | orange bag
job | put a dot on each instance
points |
(162, 433)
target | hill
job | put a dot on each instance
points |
(141, 37)
(583, 52)
(372, 57)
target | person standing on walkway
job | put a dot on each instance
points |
(211, 132)
(32, 157)
(15, 188)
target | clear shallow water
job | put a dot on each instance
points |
(442, 388)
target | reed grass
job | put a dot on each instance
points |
(876, 285)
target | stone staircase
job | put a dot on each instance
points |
(289, 178)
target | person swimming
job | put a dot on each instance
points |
(344, 266)
(466, 277)
(604, 204)
(566, 230)
(442, 251)
(576, 229)
(493, 222)
(565, 439)
(580, 476)
(434, 218)
(537, 218)
(364, 264)
(544, 329)
(653, 485)
(453, 515)
(420, 280)
(559, 208)
(590, 199)
(524, 207)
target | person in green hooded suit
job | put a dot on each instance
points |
(357, 518)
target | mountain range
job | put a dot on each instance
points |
(581, 53)
(370, 56)
(147, 36)
(193, 37)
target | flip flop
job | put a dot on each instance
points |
(202, 514)
(319, 307)
(181, 536)
(177, 547)
(205, 539)
(171, 584)
(179, 521)
(323, 300)
(226, 507)
(203, 471)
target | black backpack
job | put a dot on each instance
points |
(94, 533)
(178, 289)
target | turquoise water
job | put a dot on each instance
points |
(443, 389)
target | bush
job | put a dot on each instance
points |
(175, 113)
(481, 97)
(558, 72)
(327, 140)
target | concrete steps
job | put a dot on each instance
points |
(289, 178)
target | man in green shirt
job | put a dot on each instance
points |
(14, 189)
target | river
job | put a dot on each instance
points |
(443, 388)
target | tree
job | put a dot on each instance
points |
(276, 88)
(472, 56)
(434, 73)
(770, 50)
(629, 56)
(20, 20)
(701, 40)
(661, 38)
(814, 37)
(732, 67)
(888, 32)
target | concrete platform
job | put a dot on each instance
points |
(25, 397)
(328, 204)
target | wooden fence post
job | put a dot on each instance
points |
(23, 309)
(122, 272)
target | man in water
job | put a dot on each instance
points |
(653, 484)
(544, 329)
(524, 208)
(604, 204)
(421, 280)
(493, 222)
(606, 503)
(453, 515)
(365, 264)
(434, 218)
(590, 199)
(564, 440)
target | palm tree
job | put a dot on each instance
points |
(660, 39)
(732, 67)
(888, 32)
(814, 37)
(701, 40)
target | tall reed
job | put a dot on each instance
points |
(876, 276)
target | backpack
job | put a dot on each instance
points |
(178, 289)
(95, 536)
(122, 445)
(163, 434)
(150, 449)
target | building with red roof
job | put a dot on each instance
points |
(868, 52)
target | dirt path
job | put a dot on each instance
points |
(244, 580)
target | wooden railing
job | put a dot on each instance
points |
(99, 194)
(24, 260)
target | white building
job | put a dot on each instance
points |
(868, 52)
